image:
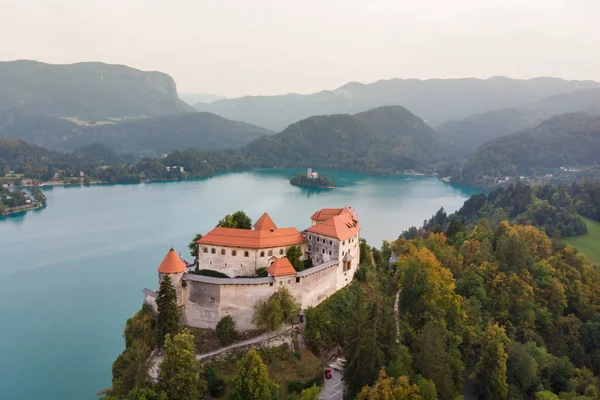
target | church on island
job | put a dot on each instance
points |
(330, 246)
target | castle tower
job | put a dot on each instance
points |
(174, 268)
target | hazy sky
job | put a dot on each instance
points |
(239, 47)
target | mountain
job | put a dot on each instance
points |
(466, 134)
(569, 140)
(151, 136)
(434, 100)
(194, 98)
(382, 140)
(88, 91)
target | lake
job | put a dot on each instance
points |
(72, 273)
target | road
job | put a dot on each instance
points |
(333, 389)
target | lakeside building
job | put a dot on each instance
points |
(331, 243)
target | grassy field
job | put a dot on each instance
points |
(588, 244)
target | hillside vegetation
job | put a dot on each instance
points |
(89, 91)
(434, 100)
(570, 140)
(152, 136)
(383, 140)
(466, 134)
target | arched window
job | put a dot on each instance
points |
(222, 252)
(213, 251)
(280, 251)
(246, 253)
(270, 253)
(262, 253)
(205, 249)
(234, 253)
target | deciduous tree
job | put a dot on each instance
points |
(490, 373)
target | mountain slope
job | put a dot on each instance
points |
(150, 136)
(466, 134)
(434, 100)
(87, 91)
(571, 140)
(386, 139)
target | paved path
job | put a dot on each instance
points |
(157, 359)
(333, 389)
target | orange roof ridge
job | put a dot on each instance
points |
(264, 223)
(171, 264)
(280, 267)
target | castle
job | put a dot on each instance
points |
(331, 243)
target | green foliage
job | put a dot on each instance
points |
(193, 245)
(252, 380)
(226, 332)
(293, 254)
(146, 394)
(319, 182)
(238, 219)
(167, 320)
(179, 374)
(390, 388)
(281, 308)
(216, 385)
(490, 373)
(311, 393)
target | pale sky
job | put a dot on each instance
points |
(241, 47)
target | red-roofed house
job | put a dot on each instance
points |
(240, 252)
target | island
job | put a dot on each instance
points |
(312, 179)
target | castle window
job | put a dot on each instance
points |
(330, 242)
(270, 283)
(222, 252)
(289, 281)
(262, 253)
(280, 283)
(329, 252)
(280, 251)
(298, 279)
(343, 243)
(213, 251)
(270, 253)
(246, 253)
(205, 249)
(323, 251)
(234, 253)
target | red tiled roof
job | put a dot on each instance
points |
(281, 267)
(342, 226)
(265, 223)
(325, 213)
(171, 264)
(253, 239)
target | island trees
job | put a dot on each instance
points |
(252, 381)
(167, 319)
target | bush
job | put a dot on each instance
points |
(216, 385)
(226, 332)
(211, 272)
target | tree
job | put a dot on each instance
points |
(312, 393)
(167, 320)
(293, 254)
(390, 388)
(490, 372)
(193, 246)
(225, 330)
(238, 219)
(280, 308)
(179, 375)
(252, 381)
(146, 394)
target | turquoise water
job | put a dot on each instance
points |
(72, 273)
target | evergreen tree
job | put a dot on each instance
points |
(167, 320)
(252, 381)
(179, 375)
(490, 372)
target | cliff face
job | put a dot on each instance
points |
(87, 91)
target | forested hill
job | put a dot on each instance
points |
(570, 140)
(88, 91)
(434, 100)
(466, 134)
(152, 136)
(386, 139)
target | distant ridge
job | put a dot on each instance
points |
(434, 100)
(88, 91)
